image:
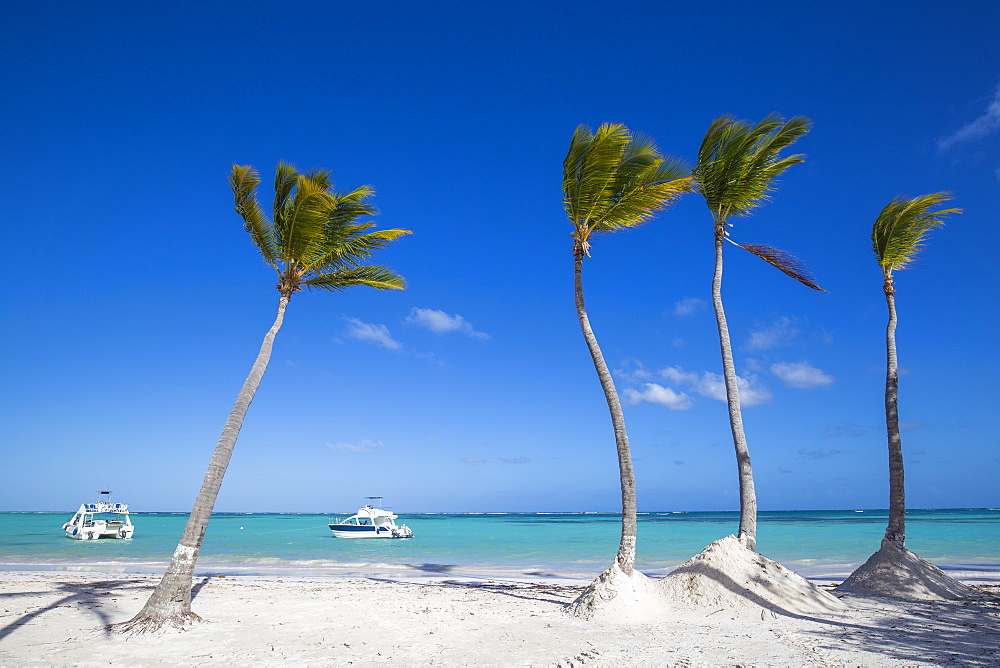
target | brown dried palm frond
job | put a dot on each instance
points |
(784, 261)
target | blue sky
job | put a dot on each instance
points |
(134, 302)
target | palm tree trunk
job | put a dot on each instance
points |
(896, 530)
(170, 602)
(626, 548)
(748, 497)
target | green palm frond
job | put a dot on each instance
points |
(590, 168)
(614, 180)
(348, 207)
(738, 163)
(643, 190)
(900, 229)
(305, 218)
(374, 276)
(784, 261)
(244, 180)
(285, 178)
(347, 247)
(321, 177)
(317, 238)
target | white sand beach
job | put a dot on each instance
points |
(58, 618)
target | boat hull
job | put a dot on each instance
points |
(351, 531)
(98, 530)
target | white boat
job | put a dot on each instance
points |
(371, 521)
(103, 519)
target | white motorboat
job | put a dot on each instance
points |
(371, 521)
(103, 519)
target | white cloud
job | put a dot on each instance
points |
(677, 375)
(713, 386)
(514, 460)
(371, 333)
(364, 446)
(779, 333)
(440, 322)
(801, 375)
(636, 375)
(472, 460)
(688, 306)
(657, 394)
(988, 122)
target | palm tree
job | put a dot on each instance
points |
(316, 241)
(897, 236)
(738, 164)
(612, 181)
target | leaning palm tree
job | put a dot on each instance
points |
(738, 164)
(612, 181)
(316, 240)
(897, 237)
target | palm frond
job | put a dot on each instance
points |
(784, 261)
(614, 180)
(900, 230)
(316, 238)
(349, 206)
(587, 177)
(320, 177)
(285, 178)
(305, 218)
(640, 199)
(348, 246)
(373, 276)
(739, 163)
(244, 179)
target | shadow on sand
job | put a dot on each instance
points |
(89, 595)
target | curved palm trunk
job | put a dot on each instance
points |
(896, 530)
(170, 602)
(748, 497)
(626, 548)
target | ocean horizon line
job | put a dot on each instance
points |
(525, 512)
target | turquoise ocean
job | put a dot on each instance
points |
(500, 545)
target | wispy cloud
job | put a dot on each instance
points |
(514, 460)
(910, 426)
(819, 454)
(635, 375)
(472, 460)
(847, 429)
(371, 333)
(440, 322)
(689, 306)
(801, 375)
(779, 333)
(657, 394)
(713, 386)
(987, 123)
(363, 446)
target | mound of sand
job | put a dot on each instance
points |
(619, 598)
(897, 572)
(729, 576)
